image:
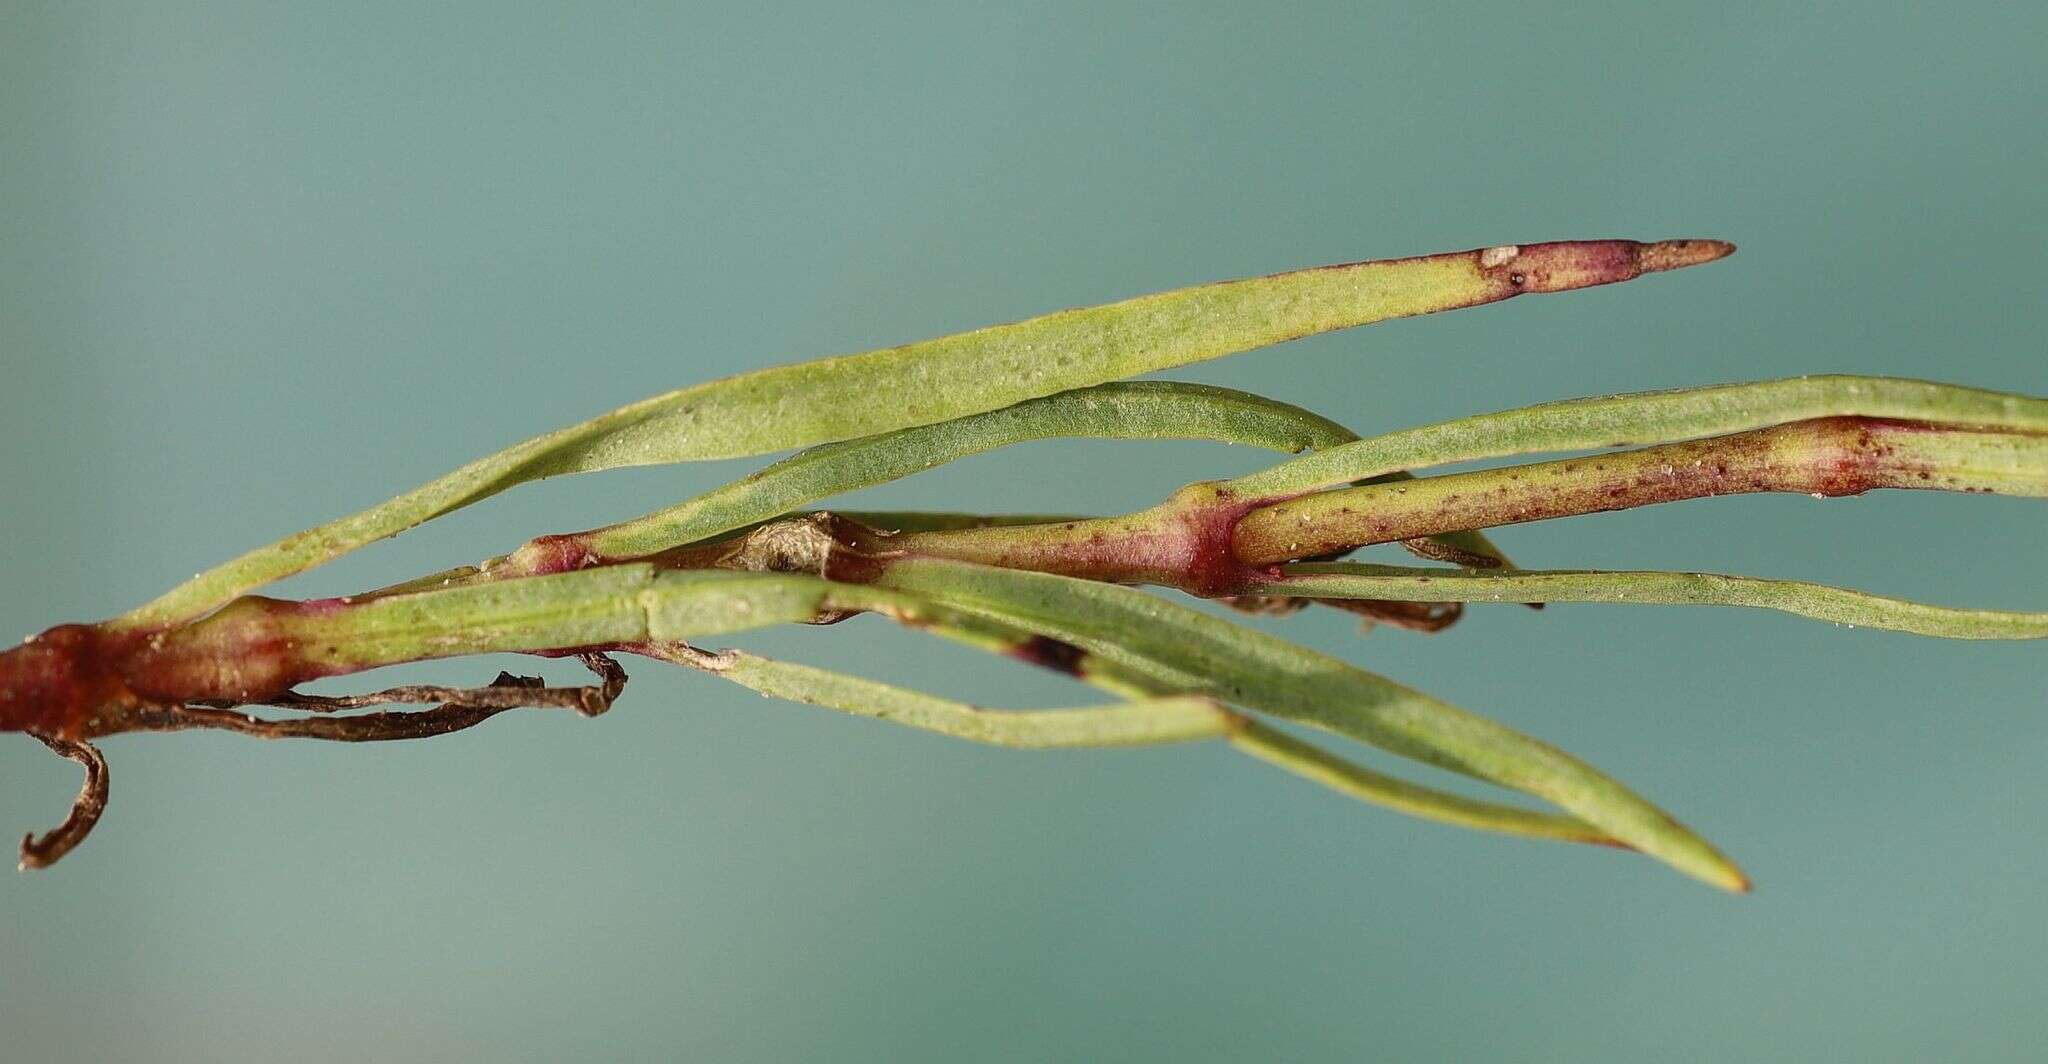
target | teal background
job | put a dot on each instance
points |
(263, 264)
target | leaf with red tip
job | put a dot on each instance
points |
(930, 381)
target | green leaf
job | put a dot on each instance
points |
(1154, 715)
(1144, 721)
(1856, 609)
(1317, 765)
(1139, 410)
(1133, 410)
(849, 396)
(1195, 652)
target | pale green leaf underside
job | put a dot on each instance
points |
(1145, 721)
(1142, 721)
(1838, 605)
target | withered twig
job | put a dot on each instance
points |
(1439, 551)
(505, 692)
(85, 810)
(1414, 616)
(366, 728)
(461, 708)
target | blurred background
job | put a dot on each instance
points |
(262, 264)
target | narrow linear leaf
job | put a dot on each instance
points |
(947, 520)
(1856, 609)
(1145, 721)
(1196, 652)
(1142, 721)
(1132, 410)
(849, 396)
(1317, 765)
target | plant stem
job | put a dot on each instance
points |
(1825, 457)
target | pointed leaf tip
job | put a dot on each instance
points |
(1677, 254)
(1723, 874)
(1562, 265)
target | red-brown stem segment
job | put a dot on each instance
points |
(1183, 543)
(1821, 457)
(78, 682)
